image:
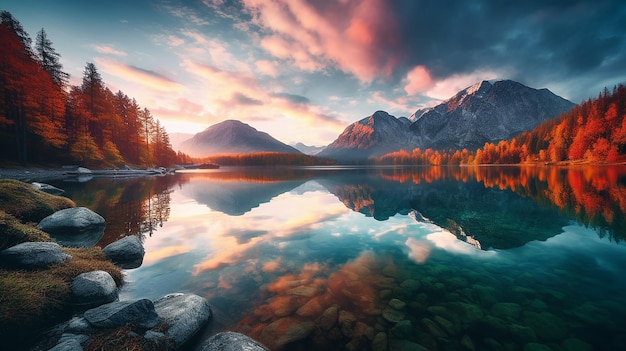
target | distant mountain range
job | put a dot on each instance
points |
(484, 112)
(232, 137)
(308, 150)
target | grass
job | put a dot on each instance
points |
(28, 204)
(33, 300)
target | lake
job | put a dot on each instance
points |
(349, 258)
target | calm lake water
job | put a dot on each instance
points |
(483, 258)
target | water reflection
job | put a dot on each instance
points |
(360, 259)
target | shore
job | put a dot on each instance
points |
(31, 174)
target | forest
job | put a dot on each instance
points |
(44, 120)
(592, 132)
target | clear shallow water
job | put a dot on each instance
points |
(346, 259)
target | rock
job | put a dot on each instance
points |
(445, 324)
(397, 304)
(78, 325)
(185, 315)
(47, 188)
(522, 333)
(83, 171)
(405, 345)
(127, 252)
(380, 342)
(231, 341)
(117, 314)
(93, 288)
(284, 331)
(328, 319)
(393, 316)
(546, 325)
(74, 227)
(433, 329)
(506, 310)
(154, 336)
(80, 338)
(313, 308)
(402, 329)
(67, 345)
(34, 255)
(346, 323)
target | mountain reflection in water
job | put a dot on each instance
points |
(356, 258)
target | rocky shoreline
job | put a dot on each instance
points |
(168, 323)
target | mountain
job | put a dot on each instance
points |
(178, 138)
(232, 137)
(308, 150)
(485, 112)
(375, 135)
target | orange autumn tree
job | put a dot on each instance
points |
(86, 124)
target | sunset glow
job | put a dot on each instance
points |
(303, 70)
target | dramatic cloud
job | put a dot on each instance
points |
(417, 80)
(143, 76)
(355, 36)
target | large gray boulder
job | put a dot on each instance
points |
(231, 341)
(74, 227)
(127, 252)
(117, 314)
(34, 255)
(93, 288)
(185, 315)
(67, 345)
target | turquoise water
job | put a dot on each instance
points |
(362, 259)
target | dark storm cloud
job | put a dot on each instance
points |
(538, 40)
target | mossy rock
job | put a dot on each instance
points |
(13, 232)
(28, 204)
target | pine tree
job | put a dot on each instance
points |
(49, 59)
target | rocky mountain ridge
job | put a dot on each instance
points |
(484, 112)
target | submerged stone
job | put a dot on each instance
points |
(546, 325)
(397, 304)
(286, 330)
(328, 319)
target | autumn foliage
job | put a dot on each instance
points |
(592, 132)
(44, 120)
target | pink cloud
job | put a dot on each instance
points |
(355, 36)
(109, 50)
(417, 80)
(239, 95)
(447, 87)
(267, 67)
(139, 75)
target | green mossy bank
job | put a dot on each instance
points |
(32, 300)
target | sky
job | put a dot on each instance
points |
(303, 70)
